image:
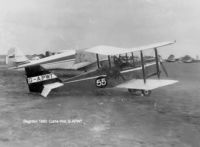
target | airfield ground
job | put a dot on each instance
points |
(170, 117)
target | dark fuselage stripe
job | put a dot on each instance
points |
(89, 78)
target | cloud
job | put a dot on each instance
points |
(38, 25)
(149, 1)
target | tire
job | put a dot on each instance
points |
(146, 92)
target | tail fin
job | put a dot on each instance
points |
(16, 57)
(40, 80)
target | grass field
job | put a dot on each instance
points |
(170, 117)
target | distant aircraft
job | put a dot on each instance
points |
(103, 67)
(63, 60)
(187, 59)
(171, 58)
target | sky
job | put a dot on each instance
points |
(35, 26)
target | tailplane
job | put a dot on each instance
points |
(41, 81)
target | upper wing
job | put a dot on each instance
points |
(149, 85)
(109, 50)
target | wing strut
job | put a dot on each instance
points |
(143, 69)
(109, 61)
(133, 59)
(157, 62)
(126, 58)
(97, 56)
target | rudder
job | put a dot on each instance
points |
(40, 80)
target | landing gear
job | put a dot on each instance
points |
(135, 92)
(146, 92)
(139, 92)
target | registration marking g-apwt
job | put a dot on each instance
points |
(41, 78)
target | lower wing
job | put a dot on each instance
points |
(149, 85)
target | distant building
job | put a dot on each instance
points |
(197, 57)
(2, 59)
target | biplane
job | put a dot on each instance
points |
(105, 67)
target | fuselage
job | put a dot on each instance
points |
(95, 78)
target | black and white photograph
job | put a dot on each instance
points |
(99, 73)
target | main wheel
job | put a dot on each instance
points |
(146, 92)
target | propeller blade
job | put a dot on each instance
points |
(164, 69)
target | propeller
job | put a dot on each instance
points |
(162, 66)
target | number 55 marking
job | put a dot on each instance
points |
(101, 82)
